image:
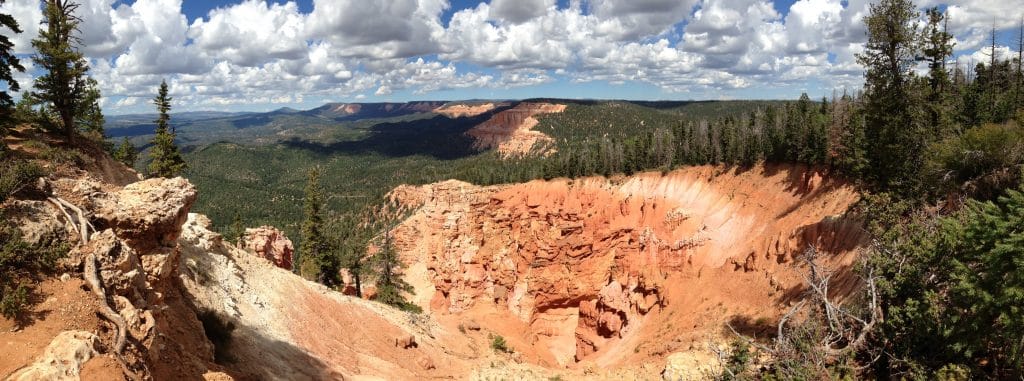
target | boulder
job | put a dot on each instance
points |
(689, 366)
(148, 214)
(405, 341)
(40, 222)
(472, 325)
(271, 244)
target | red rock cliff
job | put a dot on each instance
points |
(595, 256)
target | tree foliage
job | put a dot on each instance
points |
(63, 85)
(9, 64)
(390, 285)
(165, 159)
(318, 260)
(954, 293)
(893, 125)
(126, 153)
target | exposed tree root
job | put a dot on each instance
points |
(80, 224)
(93, 278)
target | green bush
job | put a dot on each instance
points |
(499, 345)
(63, 156)
(15, 174)
(953, 292)
(985, 158)
(21, 265)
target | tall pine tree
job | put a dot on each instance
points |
(938, 46)
(63, 83)
(165, 159)
(318, 259)
(9, 63)
(893, 130)
(390, 285)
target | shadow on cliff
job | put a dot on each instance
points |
(757, 328)
(439, 136)
(799, 180)
(250, 355)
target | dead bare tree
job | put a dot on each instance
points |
(828, 329)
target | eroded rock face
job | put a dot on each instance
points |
(149, 213)
(595, 255)
(510, 131)
(271, 244)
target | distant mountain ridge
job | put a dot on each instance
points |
(351, 111)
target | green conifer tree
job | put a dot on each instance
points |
(165, 160)
(63, 83)
(319, 260)
(90, 116)
(9, 63)
(893, 130)
(390, 285)
(938, 46)
(126, 153)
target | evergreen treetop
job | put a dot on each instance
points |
(166, 160)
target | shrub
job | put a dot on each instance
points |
(20, 266)
(952, 292)
(64, 156)
(15, 174)
(499, 345)
(985, 159)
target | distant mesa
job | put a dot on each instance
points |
(511, 131)
(354, 111)
(460, 110)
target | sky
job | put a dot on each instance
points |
(259, 55)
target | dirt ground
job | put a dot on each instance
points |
(62, 306)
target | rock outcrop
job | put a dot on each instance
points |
(149, 213)
(269, 243)
(63, 359)
(132, 254)
(511, 131)
(584, 262)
